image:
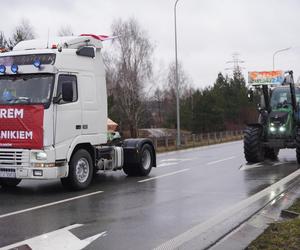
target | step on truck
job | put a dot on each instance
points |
(53, 115)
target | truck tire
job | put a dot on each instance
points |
(8, 182)
(80, 171)
(298, 145)
(144, 166)
(271, 153)
(253, 148)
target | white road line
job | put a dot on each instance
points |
(49, 204)
(250, 166)
(166, 164)
(225, 159)
(164, 175)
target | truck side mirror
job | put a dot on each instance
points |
(67, 91)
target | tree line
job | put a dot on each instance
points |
(133, 104)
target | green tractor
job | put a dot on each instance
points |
(279, 121)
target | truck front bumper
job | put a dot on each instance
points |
(22, 164)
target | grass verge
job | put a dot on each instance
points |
(280, 235)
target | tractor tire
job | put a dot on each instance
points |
(7, 182)
(253, 148)
(80, 171)
(298, 145)
(144, 166)
(271, 153)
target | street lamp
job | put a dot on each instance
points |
(276, 52)
(176, 79)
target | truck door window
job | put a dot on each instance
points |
(67, 79)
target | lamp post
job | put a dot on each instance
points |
(176, 79)
(276, 52)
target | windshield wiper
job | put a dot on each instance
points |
(21, 99)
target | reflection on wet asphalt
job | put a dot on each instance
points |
(143, 215)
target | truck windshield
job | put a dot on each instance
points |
(26, 89)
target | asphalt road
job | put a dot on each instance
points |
(118, 212)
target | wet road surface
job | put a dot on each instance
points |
(186, 189)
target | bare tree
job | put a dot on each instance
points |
(23, 31)
(183, 80)
(130, 66)
(3, 41)
(65, 30)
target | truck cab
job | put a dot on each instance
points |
(53, 115)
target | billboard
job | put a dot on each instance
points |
(265, 77)
(21, 126)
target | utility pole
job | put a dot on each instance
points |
(276, 52)
(176, 78)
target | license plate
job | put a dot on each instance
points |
(7, 174)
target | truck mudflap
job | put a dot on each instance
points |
(132, 149)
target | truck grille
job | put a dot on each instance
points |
(14, 158)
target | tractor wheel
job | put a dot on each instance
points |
(271, 153)
(253, 148)
(298, 145)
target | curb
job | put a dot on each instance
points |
(208, 233)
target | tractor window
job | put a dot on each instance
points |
(283, 96)
(280, 96)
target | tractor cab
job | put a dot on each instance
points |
(281, 115)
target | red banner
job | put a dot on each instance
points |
(21, 126)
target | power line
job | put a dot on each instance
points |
(236, 63)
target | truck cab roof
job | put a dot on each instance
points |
(71, 54)
(67, 42)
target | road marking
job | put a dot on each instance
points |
(225, 159)
(166, 164)
(59, 239)
(49, 204)
(250, 166)
(206, 227)
(165, 175)
(171, 159)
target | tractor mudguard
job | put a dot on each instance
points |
(255, 125)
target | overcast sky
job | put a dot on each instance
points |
(209, 31)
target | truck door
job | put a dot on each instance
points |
(67, 116)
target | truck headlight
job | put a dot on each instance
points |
(272, 129)
(41, 156)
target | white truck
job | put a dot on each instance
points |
(53, 115)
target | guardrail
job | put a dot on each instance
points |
(195, 140)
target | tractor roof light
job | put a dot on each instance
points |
(2, 69)
(14, 68)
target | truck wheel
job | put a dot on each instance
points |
(144, 166)
(298, 145)
(7, 182)
(271, 153)
(80, 171)
(253, 148)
